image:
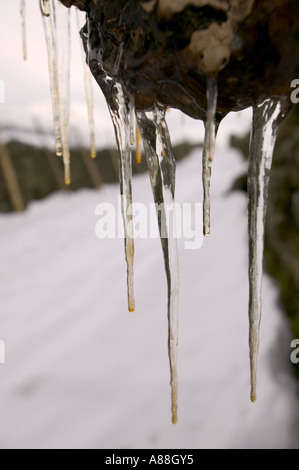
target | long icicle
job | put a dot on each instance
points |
(208, 150)
(161, 164)
(121, 122)
(266, 119)
(63, 33)
(132, 123)
(138, 146)
(24, 34)
(89, 97)
(120, 114)
(52, 62)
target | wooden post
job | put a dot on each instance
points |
(11, 179)
(91, 167)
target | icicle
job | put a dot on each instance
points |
(138, 146)
(132, 122)
(89, 98)
(266, 119)
(120, 114)
(57, 26)
(23, 18)
(45, 7)
(52, 62)
(156, 142)
(121, 122)
(63, 32)
(208, 149)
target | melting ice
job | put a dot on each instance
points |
(266, 119)
(151, 127)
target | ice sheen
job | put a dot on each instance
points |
(266, 119)
(161, 166)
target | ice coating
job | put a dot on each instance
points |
(161, 166)
(208, 150)
(266, 119)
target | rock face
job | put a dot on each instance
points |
(163, 50)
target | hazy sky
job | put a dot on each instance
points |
(27, 90)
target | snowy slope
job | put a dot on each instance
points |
(81, 372)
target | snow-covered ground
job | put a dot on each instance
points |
(81, 372)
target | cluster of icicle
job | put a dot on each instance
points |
(152, 127)
(56, 24)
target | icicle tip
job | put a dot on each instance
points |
(67, 179)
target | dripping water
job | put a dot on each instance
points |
(23, 23)
(161, 165)
(208, 150)
(266, 119)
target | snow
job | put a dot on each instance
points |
(81, 372)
